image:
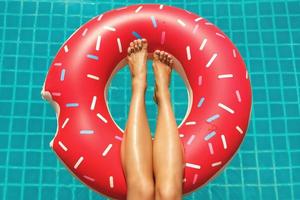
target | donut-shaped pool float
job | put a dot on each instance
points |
(88, 140)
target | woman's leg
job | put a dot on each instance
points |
(167, 147)
(136, 148)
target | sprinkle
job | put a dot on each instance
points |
(92, 76)
(239, 129)
(163, 35)
(190, 123)
(106, 150)
(78, 162)
(188, 53)
(203, 44)
(98, 42)
(195, 178)
(99, 18)
(246, 74)
(161, 6)
(62, 146)
(208, 23)
(201, 102)
(211, 149)
(57, 64)
(84, 32)
(225, 76)
(181, 135)
(184, 180)
(181, 22)
(89, 178)
(191, 165)
(62, 74)
(210, 135)
(198, 19)
(72, 105)
(191, 139)
(234, 53)
(238, 96)
(65, 122)
(226, 108)
(212, 118)
(94, 57)
(109, 28)
(224, 141)
(200, 80)
(211, 59)
(138, 9)
(111, 181)
(216, 164)
(93, 103)
(220, 35)
(66, 48)
(122, 8)
(195, 28)
(153, 22)
(119, 45)
(87, 132)
(136, 35)
(56, 94)
(118, 138)
(101, 117)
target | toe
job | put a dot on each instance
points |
(129, 51)
(156, 54)
(161, 55)
(140, 45)
(144, 43)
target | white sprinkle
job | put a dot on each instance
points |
(238, 96)
(211, 150)
(57, 64)
(138, 9)
(225, 76)
(191, 165)
(191, 139)
(106, 150)
(181, 135)
(195, 178)
(246, 74)
(203, 44)
(190, 123)
(226, 108)
(66, 48)
(109, 28)
(216, 164)
(200, 80)
(62, 146)
(211, 59)
(198, 19)
(220, 35)
(93, 103)
(98, 42)
(239, 129)
(208, 23)
(65, 123)
(99, 18)
(111, 181)
(180, 22)
(224, 141)
(188, 53)
(119, 45)
(102, 118)
(195, 28)
(234, 53)
(161, 6)
(78, 162)
(84, 32)
(89, 178)
(92, 76)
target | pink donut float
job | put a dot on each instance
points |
(88, 140)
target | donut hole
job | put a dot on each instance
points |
(119, 96)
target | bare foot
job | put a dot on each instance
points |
(137, 61)
(162, 67)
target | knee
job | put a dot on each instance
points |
(168, 192)
(142, 188)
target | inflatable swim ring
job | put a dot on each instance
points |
(88, 140)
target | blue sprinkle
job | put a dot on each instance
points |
(62, 74)
(93, 57)
(86, 132)
(72, 104)
(201, 102)
(136, 35)
(210, 135)
(212, 118)
(153, 21)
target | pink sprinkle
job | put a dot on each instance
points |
(195, 178)
(200, 80)
(195, 28)
(118, 138)
(56, 94)
(163, 35)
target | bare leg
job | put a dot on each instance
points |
(136, 147)
(167, 147)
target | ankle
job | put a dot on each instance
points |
(162, 95)
(139, 84)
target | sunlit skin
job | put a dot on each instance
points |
(153, 169)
